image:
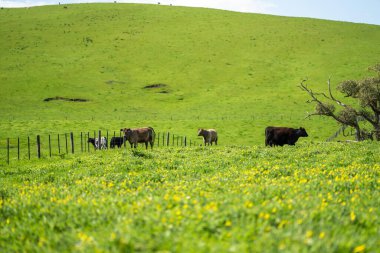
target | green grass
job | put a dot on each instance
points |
(308, 198)
(231, 71)
(234, 72)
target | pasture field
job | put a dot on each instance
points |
(231, 71)
(313, 197)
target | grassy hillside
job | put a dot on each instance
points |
(225, 199)
(231, 71)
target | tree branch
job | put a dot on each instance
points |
(332, 97)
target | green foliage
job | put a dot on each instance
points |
(315, 198)
(348, 115)
(231, 71)
(324, 109)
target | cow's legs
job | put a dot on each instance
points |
(146, 145)
(151, 144)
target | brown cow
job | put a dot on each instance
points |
(139, 135)
(209, 136)
(279, 136)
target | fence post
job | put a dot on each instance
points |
(185, 141)
(173, 140)
(67, 149)
(94, 139)
(8, 150)
(107, 140)
(18, 148)
(28, 147)
(49, 146)
(38, 147)
(81, 142)
(181, 141)
(158, 139)
(99, 140)
(59, 146)
(163, 139)
(72, 142)
(167, 140)
(177, 140)
(88, 144)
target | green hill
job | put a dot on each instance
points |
(231, 71)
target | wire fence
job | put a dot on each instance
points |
(53, 145)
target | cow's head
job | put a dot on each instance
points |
(200, 131)
(302, 132)
(127, 132)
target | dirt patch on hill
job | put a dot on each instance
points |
(66, 99)
(155, 86)
(110, 82)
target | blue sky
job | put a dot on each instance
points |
(358, 11)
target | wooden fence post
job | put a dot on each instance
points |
(8, 150)
(94, 141)
(107, 140)
(185, 141)
(72, 142)
(88, 144)
(59, 146)
(173, 140)
(158, 139)
(167, 140)
(81, 142)
(163, 139)
(99, 140)
(18, 148)
(28, 147)
(67, 149)
(38, 147)
(49, 146)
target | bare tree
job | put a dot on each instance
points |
(367, 93)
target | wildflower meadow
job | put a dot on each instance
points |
(320, 197)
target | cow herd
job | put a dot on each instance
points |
(274, 136)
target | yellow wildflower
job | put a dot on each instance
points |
(248, 204)
(358, 249)
(352, 216)
(309, 234)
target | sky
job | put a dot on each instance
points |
(357, 11)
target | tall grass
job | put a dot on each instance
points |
(308, 198)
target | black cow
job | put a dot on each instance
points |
(117, 141)
(279, 136)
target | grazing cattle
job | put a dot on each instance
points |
(139, 135)
(95, 142)
(209, 136)
(279, 136)
(116, 141)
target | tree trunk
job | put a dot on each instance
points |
(358, 134)
(377, 133)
